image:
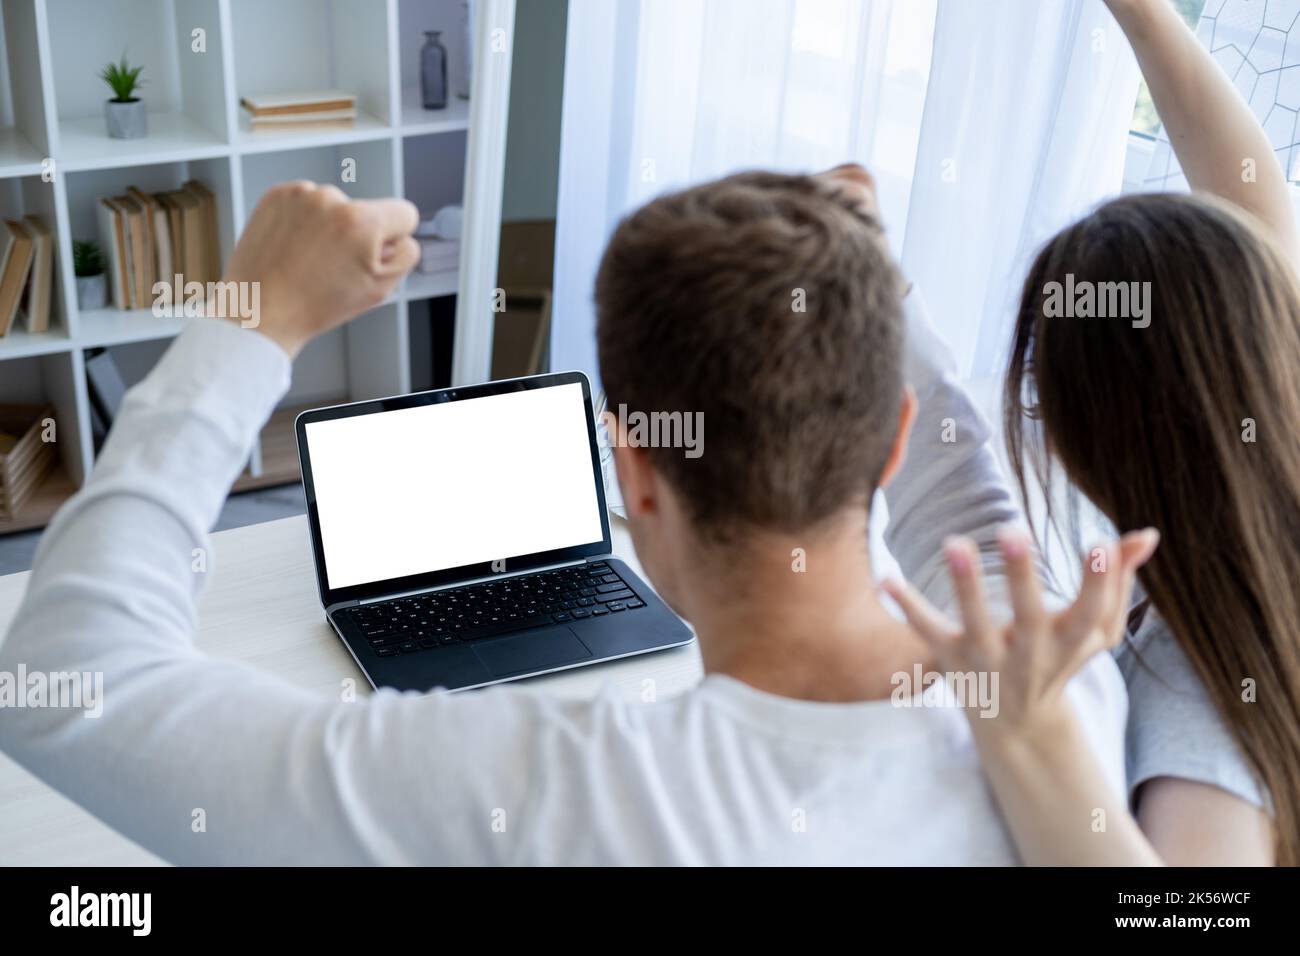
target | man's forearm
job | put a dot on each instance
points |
(182, 437)
(113, 588)
(283, 775)
(279, 774)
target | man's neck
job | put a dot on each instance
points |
(803, 622)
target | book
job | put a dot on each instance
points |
(438, 255)
(36, 306)
(155, 237)
(314, 116)
(303, 119)
(6, 253)
(176, 231)
(27, 459)
(122, 238)
(153, 259)
(17, 263)
(141, 252)
(163, 244)
(211, 238)
(296, 104)
(112, 237)
(189, 213)
(298, 126)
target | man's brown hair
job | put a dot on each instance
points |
(769, 304)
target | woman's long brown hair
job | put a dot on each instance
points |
(1190, 425)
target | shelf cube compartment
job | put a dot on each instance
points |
(363, 170)
(33, 196)
(26, 458)
(110, 371)
(302, 46)
(39, 407)
(433, 168)
(111, 325)
(414, 18)
(180, 46)
(23, 141)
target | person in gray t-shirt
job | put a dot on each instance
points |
(1173, 728)
(1181, 323)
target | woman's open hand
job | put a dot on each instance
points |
(1038, 651)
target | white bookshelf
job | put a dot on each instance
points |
(51, 104)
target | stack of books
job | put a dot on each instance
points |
(439, 255)
(280, 112)
(25, 456)
(169, 237)
(26, 273)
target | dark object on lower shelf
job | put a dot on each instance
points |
(106, 390)
(433, 330)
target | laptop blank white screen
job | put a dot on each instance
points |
(441, 486)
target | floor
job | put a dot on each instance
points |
(249, 507)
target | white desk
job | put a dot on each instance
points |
(261, 606)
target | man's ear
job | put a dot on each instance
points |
(906, 418)
(637, 479)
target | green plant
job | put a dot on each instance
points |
(87, 260)
(123, 79)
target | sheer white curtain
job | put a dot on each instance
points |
(1025, 127)
(659, 94)
(989, 125)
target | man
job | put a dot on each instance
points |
(766, 302)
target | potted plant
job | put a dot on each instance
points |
(88, 267)
(124, 113)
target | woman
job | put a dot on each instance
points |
(1190, 425)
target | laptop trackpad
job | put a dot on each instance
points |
(536, 650)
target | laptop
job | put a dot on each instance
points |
(461, 537)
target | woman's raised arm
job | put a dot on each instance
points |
(1220, 144)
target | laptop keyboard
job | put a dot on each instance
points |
(427, 621)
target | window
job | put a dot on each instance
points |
(1257, 43)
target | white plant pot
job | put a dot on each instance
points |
(126, 120)
(92, 292)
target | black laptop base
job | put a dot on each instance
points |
(504, 629)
